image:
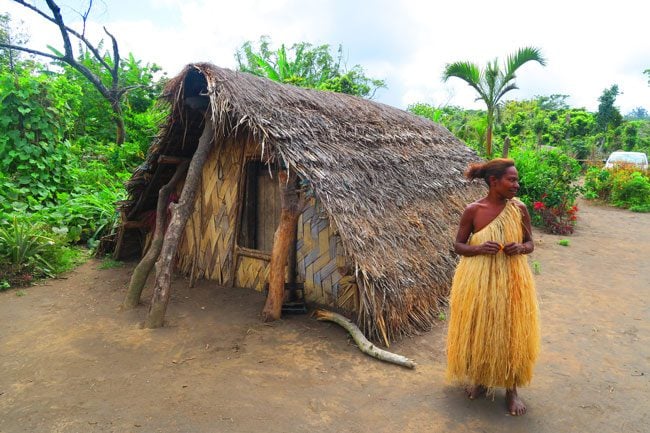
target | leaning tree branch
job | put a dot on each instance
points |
(71, 31)
(79, 67)
(30, 51)
(58, 20)
(124, 90)
(142, 271)
(180, 214)
(114, 93)
(362, 342)
(116, 59)
(85, 15)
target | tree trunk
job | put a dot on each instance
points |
(142, 271)
(285, 236)
(180, 215)
(118, 117)
(506, 147)
(488, 141)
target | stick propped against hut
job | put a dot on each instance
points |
(383, 191)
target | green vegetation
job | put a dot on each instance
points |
(493, 82)
(61, 170)
(28, 252)
(624, 187)
(553, 145)
(564, 242)
(110, 263)
(62, 165)
(306, 65)
(548, 186)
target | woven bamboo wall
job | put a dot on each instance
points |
(252, 273)
(319, 255)
(206, 250)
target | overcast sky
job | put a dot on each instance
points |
(589, 45)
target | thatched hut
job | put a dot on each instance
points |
(385, 193)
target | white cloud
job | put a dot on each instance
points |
(588, 45)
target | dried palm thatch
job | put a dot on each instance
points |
(391, 183)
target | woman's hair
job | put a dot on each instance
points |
(483, 170)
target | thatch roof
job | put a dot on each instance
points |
(391, 182)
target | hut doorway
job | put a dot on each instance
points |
(261, 207)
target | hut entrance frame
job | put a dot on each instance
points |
(259, 214)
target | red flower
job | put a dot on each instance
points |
(538, 205)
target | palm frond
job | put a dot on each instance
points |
(523, 55)
(506, 89)
(490, 78)
(468, 72)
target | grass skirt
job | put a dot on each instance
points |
(493, 338)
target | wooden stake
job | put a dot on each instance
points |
(285, 235)
(180, 214)
(142, 271)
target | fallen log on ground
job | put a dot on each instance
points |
(362, 342)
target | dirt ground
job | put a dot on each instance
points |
(70, 361)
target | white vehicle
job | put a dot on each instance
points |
(619, 157)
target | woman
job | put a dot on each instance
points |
(493, 337)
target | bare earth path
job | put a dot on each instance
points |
(70, 361)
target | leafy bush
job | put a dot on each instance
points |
(28, 252)
(83, 216)
(598, 184)
(625, 187)
(32, 145)
(548, 185)
(630, 189)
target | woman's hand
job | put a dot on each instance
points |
(514, 248)
(489, 247)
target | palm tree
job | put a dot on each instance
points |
(492, 82)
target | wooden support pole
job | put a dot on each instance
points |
(180, 214)
(142, 271)
(285, 235)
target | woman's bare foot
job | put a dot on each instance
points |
(515, 404)
(475, 391)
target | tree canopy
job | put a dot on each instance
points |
(105, 79)
(608, 115)
(306, 65)
(493, 81)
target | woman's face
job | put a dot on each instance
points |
(508, 185)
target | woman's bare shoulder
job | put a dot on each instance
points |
(520, 204)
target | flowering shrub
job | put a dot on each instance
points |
(625, 187)
(554, 219)
(547, 180)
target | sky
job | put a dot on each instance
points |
(588, 45)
